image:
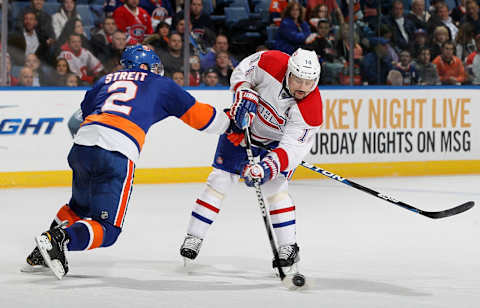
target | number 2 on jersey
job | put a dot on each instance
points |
(130, 91)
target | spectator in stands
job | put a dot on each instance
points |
(319, 12)
(172, 59)
(202, 26)
(178, 78)
(442, 17)
(159, 10)
(403, 28)
(418, 15)
(103, 37)
(331, 6)
(294, 30)
(472, 14)
(44, 19)
(25, 79)
(11, 80)
(473, 62)
(343, 44)
(112, 54)
(159, 40)
(323, 43)
(440, 36)
(67, 11)
(221, 44)
(109, 6)
(405, 67)
(195, 74)
(386, 33)
(418, 43)
(72, 80)
(458, 12)
(465, 42)
(210, 78)
(81, 61)
(395, 78)
(72, 26)
(427, 71)
(59, 76)
(30, 40)
(39, 75)
(376, 64)
(224, 68)
(450, 68)
(197, 45)
(134, 20)
(276, 9)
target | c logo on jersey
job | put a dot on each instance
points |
(268, 115)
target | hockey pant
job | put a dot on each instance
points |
(208, 205)
(101, 189)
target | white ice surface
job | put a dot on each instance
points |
(356, 250)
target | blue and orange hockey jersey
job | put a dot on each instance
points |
(120, 108)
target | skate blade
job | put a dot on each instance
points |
(55, 266)
(187, 262)
(27, 268)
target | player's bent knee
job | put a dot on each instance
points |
(111, 234)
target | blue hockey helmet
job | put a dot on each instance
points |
(134, 56)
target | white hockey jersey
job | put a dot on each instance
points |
(82, 62)
(280, 117)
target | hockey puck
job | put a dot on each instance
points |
(298, 280)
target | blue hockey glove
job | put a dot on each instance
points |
(244, 107)
(262, 172)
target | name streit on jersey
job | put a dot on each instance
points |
(137, 76)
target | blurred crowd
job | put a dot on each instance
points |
(400, 42)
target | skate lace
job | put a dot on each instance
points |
(192, 242)
(286, 252)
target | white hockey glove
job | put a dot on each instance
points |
(244, 107)
(266, 170)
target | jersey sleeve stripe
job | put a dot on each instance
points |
(282, 157)
(127, 127)
(199, 116)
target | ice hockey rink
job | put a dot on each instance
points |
(356, 250)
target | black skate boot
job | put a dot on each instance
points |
(52, 245)
(35, 263)
(287, 256)
(191, 247)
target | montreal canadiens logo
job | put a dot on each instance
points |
(269, 116)
(137, 30)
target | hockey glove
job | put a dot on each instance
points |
(261, 172)
(244, 107)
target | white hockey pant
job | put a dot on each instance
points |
(208, 205)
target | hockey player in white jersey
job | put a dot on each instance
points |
(279, 94)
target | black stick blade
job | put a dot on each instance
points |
(450, 212)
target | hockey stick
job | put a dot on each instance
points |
(261, 204)
(434, 215)
(439, 214)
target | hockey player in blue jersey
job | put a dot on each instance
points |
(117, 113)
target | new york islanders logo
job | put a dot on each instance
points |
(269, 116)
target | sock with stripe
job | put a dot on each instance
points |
(204, 213)
(282, 216)
(85, 234)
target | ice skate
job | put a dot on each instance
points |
(190, 248)
(52, 245)
(288, 256)
(35, 263)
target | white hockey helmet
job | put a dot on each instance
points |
(304, 64)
